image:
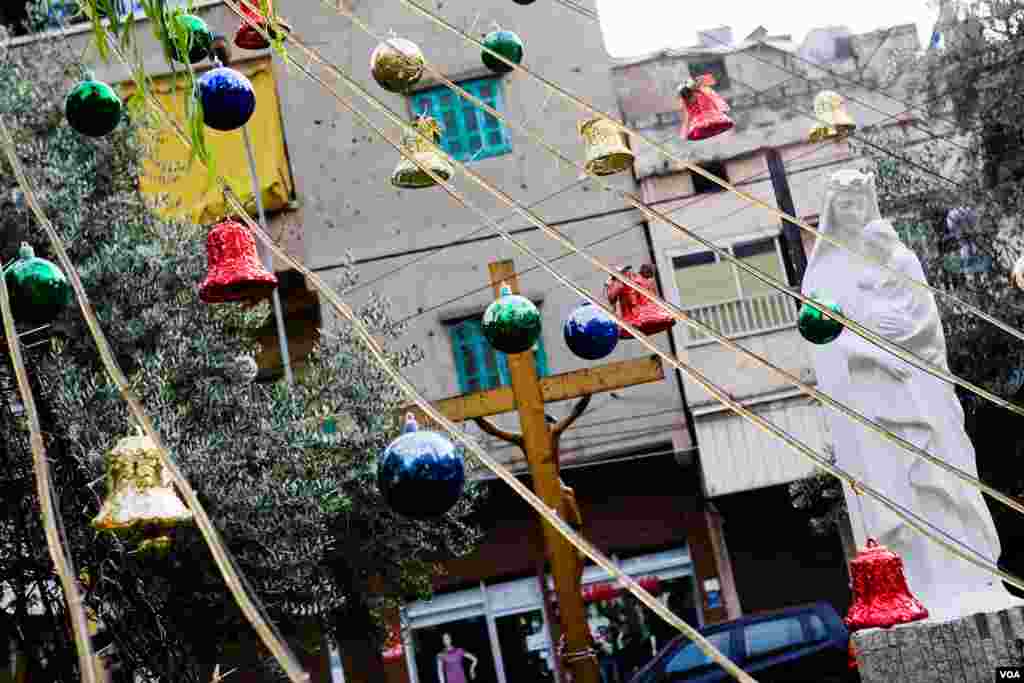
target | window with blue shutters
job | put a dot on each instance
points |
(468, 132)
(477, 364)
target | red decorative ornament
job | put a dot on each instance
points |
(704, 109)
(600, 592)
(234, 269)
(247, 37)
(392, 645)
(881, 597)
(637, 310)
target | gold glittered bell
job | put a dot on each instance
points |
(141, 507)
(834, 123)
(407, 174)
(607, 149)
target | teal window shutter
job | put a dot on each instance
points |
(466, 366)
(539, 358)
(504, 376)
(469, 132)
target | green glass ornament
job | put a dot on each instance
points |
(200, 39)
(505, 43)
(93, 108)
(512, 323)
(814, 326)
(37, 287)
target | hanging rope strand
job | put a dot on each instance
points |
(677, 313)
(895, 349)
(497, 468)
(669, 154)
(450, 190)
(243, 595)
(56, 541)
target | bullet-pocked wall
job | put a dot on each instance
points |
(347, 205)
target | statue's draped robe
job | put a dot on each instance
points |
(921, 408)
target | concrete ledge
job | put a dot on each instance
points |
(965, 650)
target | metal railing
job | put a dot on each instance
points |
(742, 317)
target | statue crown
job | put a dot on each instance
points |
(827, 100)
(850, 180)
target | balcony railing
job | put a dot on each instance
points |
(742, 317)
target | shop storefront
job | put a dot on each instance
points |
(505, 630)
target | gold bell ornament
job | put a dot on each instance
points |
(833, 121)
(409, 175)
(607, 148)
(141, 507)
(397, 64)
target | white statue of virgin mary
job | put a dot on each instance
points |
(917, 406)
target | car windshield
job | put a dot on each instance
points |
(685, 658)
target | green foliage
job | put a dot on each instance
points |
(297, 510)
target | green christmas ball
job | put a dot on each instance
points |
(37, 287)
(93, 108)
(505, 43)
(200, 39)
(512, 323)
(814, 326)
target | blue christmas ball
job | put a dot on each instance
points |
(421, 474)
(227, 97)
(590, 333)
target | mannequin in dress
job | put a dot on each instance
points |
(449, 663)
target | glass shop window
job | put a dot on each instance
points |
(468, 132)
(628, 634)
(469, 640)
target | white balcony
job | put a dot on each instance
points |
(742, 317)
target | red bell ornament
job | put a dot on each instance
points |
(703, 109)
(637, 310)
(235, 272)
(249, 38)
(881, 597)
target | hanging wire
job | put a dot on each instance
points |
(693, 167)
(56, 540)
(896, 349)
(677, 313)
(602, 240)
(593, 16)
(751, 179)
(581, 544)
(243, 594)
(452, 192)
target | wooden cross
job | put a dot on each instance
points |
(540, 444)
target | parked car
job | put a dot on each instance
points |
(802, 644)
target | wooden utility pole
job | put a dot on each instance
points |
(539, 443)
